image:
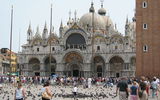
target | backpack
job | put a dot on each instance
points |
(140, 93)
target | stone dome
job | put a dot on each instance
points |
(86, 21)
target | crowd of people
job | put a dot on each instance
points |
(126, 88)
(139, 90)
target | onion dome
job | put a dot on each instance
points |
(92, 8)
(102, 11)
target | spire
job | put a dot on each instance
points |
(75, 15)
(127, 20)
(45, 31)
(61, 29)
(29, 32)
(92, 8)
(69, 21)
(29, 28)
(115, 26)
(45, 26)
(37, 30)
(70, 14)
(52, 32)
(61, 26)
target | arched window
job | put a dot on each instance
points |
(145, 48)
(75, 40)
(98, 47)
(144, 4)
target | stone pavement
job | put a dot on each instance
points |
(63, 93)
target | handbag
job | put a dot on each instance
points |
(45, 95)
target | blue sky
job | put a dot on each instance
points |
(38, 11)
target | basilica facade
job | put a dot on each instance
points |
(87, 47)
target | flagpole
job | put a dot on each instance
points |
(11, 39)
(50, 41)
(19, 40)
(92, 41)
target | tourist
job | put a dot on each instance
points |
(142, 89)
(154, 87)
(89, 82)
(122, 87)
(75, 90)
(147, 85)
(134, 91)
(46, 91)
(19, 92)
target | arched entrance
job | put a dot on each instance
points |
(116, 66)
(98, 65)
(99, 71)
(75, 70)
(50, 67)
(73, 62)
(34, 66)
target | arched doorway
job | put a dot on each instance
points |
(75, 70)
(116, 66)
(34, 66)
(73, 62)
(99, 71)
(76, 41)
(98, 65)
(50, 67)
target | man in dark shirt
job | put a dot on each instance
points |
(122, 87)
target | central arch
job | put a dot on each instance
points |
(116, 66)
(73, 61)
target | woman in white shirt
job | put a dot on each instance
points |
(19, 93)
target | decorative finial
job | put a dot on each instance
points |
(92, 8)
(102, 3)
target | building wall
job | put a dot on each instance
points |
(148, 62)
(6, 53)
